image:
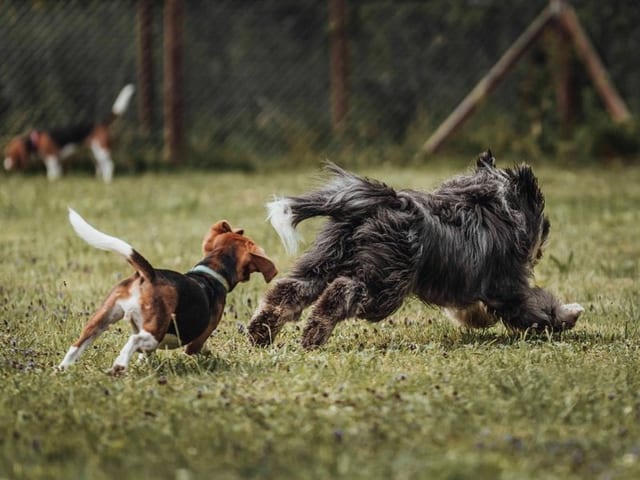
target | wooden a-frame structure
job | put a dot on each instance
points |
(558, 13)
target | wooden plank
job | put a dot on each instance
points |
(173, 127)
(488, 83)
(339, 64)
(560, 57)
(144, 44)
(600, 77)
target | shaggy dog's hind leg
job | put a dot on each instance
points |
(340, 300)
(475, 316)
(283, 303)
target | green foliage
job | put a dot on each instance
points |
(257, 78)
(410, 397)
(612, 140)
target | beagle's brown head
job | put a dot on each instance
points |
(16, 155)
(230, 251)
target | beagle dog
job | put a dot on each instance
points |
(58, 143)
(168, 309)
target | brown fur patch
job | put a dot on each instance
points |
(16, 151)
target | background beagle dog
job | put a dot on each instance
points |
(57, 143)
(166, 308)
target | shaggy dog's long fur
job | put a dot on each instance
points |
(470, 246)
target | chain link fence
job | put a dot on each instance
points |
(256, 73)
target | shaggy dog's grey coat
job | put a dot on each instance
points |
(470, 246)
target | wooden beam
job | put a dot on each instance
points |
(173, 128)
(144, 41)
(488, 82)
(339, 64)
(560, 55)
(613, 101)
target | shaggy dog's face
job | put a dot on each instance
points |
(526, 197)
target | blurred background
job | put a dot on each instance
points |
(252, 84)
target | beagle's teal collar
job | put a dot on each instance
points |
(213, 274)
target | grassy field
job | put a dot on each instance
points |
(410, 397)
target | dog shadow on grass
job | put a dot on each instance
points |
(374, 339)
(504, 337)
(440, 335)
(180, 364)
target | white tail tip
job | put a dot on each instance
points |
(281, 218)
(122, 100)
(96, 238)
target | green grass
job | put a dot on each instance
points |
(410, 397)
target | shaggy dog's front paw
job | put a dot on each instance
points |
(567, 315)
(259, 334)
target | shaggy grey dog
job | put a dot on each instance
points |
(470, 246)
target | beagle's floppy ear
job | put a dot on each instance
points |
(16, 155)
(263, 264)
(221, 227)
(216, 229)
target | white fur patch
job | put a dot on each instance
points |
(142, 341)
(54, 169)
(281, 218)
(122, 100)
(574, 309)
(70, 358)
(104, 164)
(131, 307)
(96, 238)
(68, 150)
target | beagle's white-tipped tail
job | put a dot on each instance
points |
(122, 100)
(98, 239)
(281, 217)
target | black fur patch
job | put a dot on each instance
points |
(474, 239)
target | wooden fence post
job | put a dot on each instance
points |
(173, 126)
(597, 71)
(144, 41)
(558, 47)
(488, 83)
(339, 59)
(567, 20)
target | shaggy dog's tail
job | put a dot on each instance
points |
(345, 196)
(98, 239)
